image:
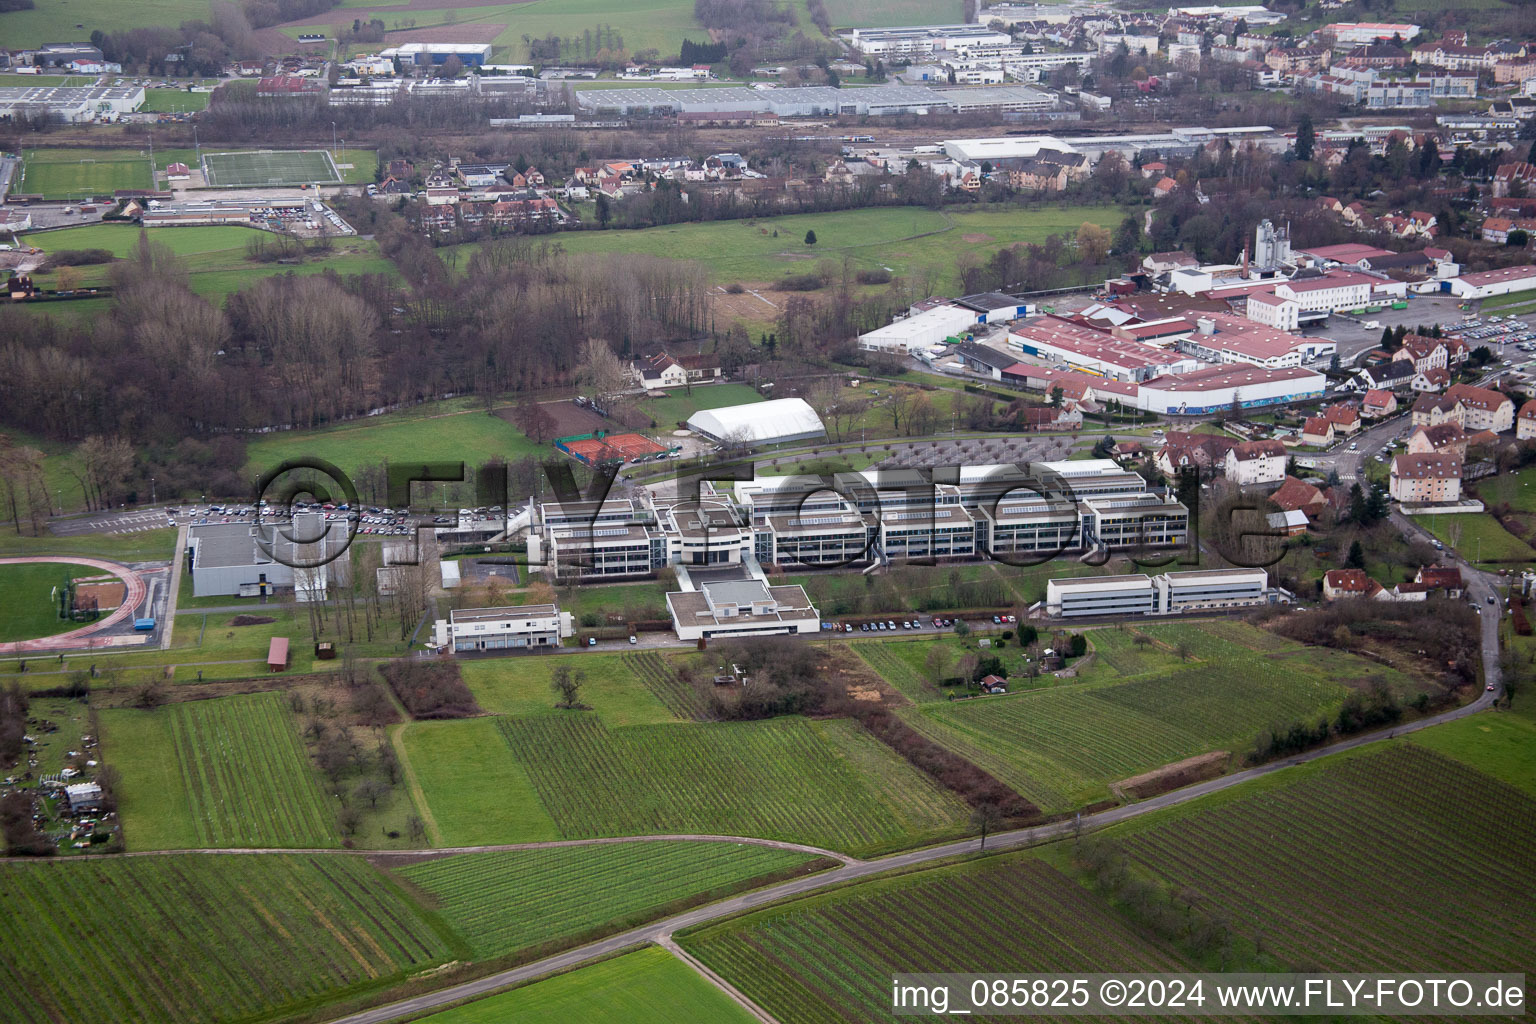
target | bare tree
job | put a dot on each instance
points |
(567, 683)
(986, 817)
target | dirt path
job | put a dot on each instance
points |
(666, 943)
(132, 598)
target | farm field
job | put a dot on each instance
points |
(1061, 747)
(826, 783)
(81, 173)
(747, 250)
(882, 13)
(49, 23)
(520, 686)
(643, 24)
(648, 986)
(473, 437)
(829, 958)
(1479, 538)
(503, 903)
(237, 770)
(26, 608)
(1393, 842)
(200, 939)
(1501, 745)
(469, 791)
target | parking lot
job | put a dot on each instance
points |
(1353, 337)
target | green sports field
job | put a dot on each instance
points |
(27, 609)
(82, 173)
(270, 167)
(174, 101)
(648, 986)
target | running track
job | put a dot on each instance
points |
(77, 638)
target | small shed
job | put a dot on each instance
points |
(277, 654)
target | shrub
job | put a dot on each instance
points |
(76, 258)
(880, 276)
(734, 288)
(799, 283)
(431, 689)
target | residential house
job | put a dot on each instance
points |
(1433, 410)
(1424, 352)
(1376, 56)
(1426, 479)
(1045, 417)
(1497, 229)
(1256, 462)
(1183, 450)
(1446, 579)
(1525, 423)
(1515, 178)
(1317, 431)
(1446, 437)
(1164, 187)
(1154, 169)
(1484, 409)
(1350, 583)
(1344, 417)
(1434, 380)
(1378, 403)
(1296, 495)
(1392, 374)
(1300, 60)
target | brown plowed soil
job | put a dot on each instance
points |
(1174, 776)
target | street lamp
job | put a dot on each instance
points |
(333, 140)
(151, 490)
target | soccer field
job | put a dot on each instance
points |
(81, 173)
(270, 167)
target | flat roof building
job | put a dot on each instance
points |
(1171, 593)
(252, 559)
(512, 627)
(741, 608)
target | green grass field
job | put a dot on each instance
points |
(501, 903)
(648, 986)
(420, 435)
(520, 686)
(269, 167)
(203, 939)
(146, 546)
(470, 792)
(880, 13)
(1334, 866)
(215, 259)
(1518, 489)
(1500, 744)
(82, 173)
(210, 773)
(27, 609)
(907, 240)
(826, 783)
(678, 404)
(829, 958)
(1478, 537)
(174, 101)
(1061, 747)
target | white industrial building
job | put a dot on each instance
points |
(763, 423)
(741, 608)
(1486, 283)
(921, 40)
(920, 331)
(257, 559)
(1216, 387)
(68, 103)
(1005, 148)
(1171, 593)
(505, 628)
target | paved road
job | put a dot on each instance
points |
(661, 931)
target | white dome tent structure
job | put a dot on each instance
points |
(763, 423)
